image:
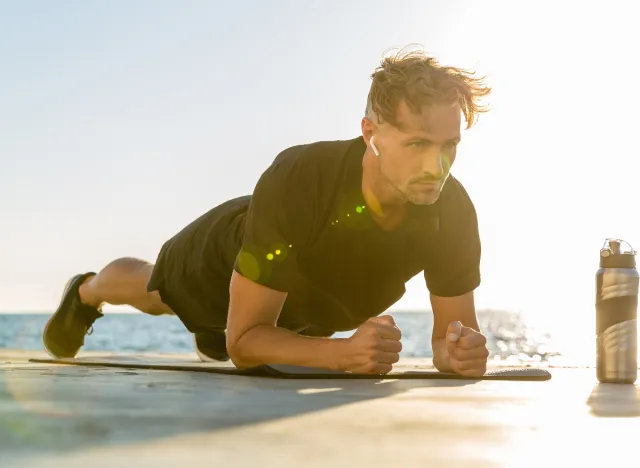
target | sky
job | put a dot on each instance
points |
(121, 121)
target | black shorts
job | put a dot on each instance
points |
(198, 291)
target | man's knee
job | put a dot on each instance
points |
(154, 305)
(130, 265)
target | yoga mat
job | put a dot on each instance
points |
(400, 371)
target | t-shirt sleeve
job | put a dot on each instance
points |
(278, 225)
(453, 267)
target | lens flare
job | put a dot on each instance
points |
(249, 265)
(374, 203)
(446, 163)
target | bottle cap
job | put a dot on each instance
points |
(613, 254)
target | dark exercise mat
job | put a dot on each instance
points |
(400, 371)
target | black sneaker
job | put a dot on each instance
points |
(211, 346)
(64, 333)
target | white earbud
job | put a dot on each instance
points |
(375, 150)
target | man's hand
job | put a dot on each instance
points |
(374, 347)
(467, 350)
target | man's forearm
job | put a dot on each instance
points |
(265, 344)
(441, 355)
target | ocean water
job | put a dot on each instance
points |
(509, 337)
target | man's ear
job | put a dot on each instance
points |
(368, 129)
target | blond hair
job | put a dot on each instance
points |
(420, 80)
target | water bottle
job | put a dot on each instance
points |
(617, 314)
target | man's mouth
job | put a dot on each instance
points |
(429, 184)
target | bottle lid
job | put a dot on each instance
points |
(613, 254)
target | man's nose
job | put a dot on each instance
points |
(432, 163)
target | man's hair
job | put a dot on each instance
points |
(421, 81)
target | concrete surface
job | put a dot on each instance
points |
(53, 415)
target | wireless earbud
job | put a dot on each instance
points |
(375, 150)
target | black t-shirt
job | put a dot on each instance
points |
(307, 227)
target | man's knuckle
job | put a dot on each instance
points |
(372, 348)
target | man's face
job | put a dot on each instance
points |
(418, 153)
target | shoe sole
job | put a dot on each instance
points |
(203, 357)
(46, 327)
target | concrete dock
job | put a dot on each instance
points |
(68, 416)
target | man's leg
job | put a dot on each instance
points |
(123, 282)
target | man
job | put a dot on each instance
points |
(326, 243)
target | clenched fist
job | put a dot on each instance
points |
(374, 347)
(467, 350)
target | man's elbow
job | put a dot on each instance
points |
(237, 354)
(240, 349)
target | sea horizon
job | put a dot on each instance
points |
(509, 337)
